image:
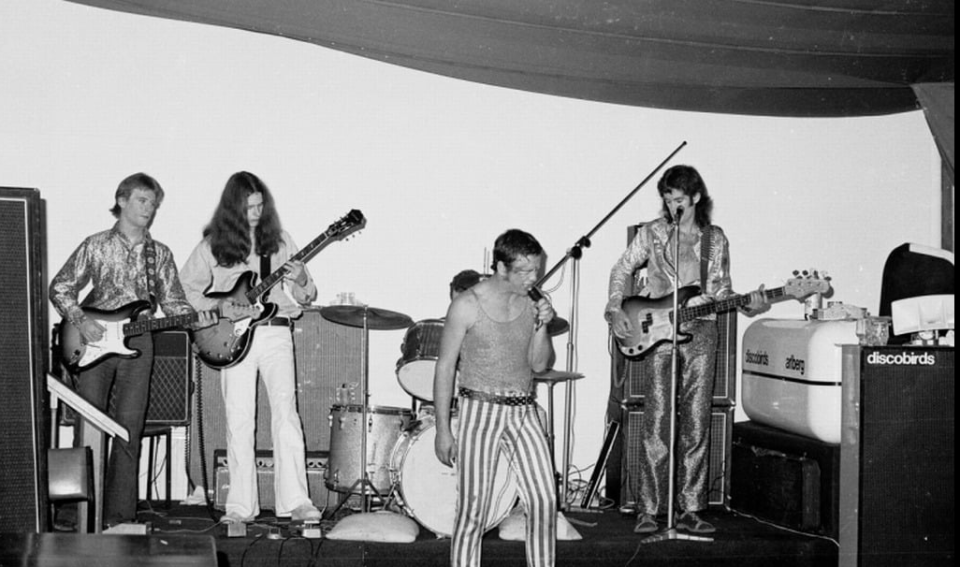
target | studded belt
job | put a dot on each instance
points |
(502, 399)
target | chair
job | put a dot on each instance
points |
(70, 479)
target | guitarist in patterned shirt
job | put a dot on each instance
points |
(123, 265)
(245, 235)
(683, 191)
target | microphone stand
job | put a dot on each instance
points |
(576, 252)
(670, 532)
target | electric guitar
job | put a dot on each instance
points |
(652, 319)
(121, 323)
(226, 343)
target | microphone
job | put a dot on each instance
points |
(677, 215)
(536, 296)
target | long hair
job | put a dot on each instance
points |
(132, 182)
(687, 179)
(512, 245)
(229, 231)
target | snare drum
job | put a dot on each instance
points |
(428, 488)
(420, 350)
(384, 426)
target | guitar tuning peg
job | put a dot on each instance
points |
(796, 272)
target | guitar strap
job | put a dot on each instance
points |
(705, 250)
(264, 268)
(150, 257)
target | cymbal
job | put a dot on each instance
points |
(557, 326)
(552, 376)
(376, 318)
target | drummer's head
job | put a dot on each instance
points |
(464, 281)
(513, 245)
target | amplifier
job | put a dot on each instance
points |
(316, 468)
(784, 478)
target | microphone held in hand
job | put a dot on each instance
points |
(536, 296)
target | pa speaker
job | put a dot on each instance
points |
(23, 334)
(897, 505)
(718, 472)
(327, 357)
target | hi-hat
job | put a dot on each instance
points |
(557, 326)
(376, 318)
(551, 376)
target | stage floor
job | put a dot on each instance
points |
(607, 539)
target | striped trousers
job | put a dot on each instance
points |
(489, 435)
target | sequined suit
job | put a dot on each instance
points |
(652, 248)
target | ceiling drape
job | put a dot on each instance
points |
(756, 57)
(937, 100)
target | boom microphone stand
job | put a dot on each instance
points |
(576, 252)
(670, 532)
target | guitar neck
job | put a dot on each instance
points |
(730, 303)
(144, 325)
(307, 252)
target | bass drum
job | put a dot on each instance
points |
(420, 350)
(428, 488)
(384, 427)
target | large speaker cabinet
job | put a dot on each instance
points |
(631, 454)
(171, 380)
(23, 336)
(897, 505)
(327, 357)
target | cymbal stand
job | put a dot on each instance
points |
(670, 532)
(576, 252)
(363, 483)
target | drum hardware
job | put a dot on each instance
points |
(551, 377)
(366, 318)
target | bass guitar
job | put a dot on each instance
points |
(651, 320)
(226, 343)
(120, 324)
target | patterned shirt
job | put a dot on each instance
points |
(652, 247)
(117, 270)
(201, 273)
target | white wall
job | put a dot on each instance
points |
(438, 166)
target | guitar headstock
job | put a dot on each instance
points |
(346, 225)
(807, 282)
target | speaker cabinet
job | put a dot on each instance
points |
(316, 469)
(628, 376)
(897, 503)
(172, 379)
(327, 357)
(23, 334)
(718, 475)
(784, 478)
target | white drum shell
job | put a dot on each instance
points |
(428, 488)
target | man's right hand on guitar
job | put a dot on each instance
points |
(91, 330)
(620, 324)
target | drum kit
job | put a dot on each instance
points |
(392, 455)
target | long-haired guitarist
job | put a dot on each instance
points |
(123, 265)
(245, 236)
(687, 203)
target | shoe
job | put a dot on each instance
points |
(691, 522)
(232, 518)
(646, 524)
(306, 513)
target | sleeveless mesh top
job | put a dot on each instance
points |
(494, 355)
